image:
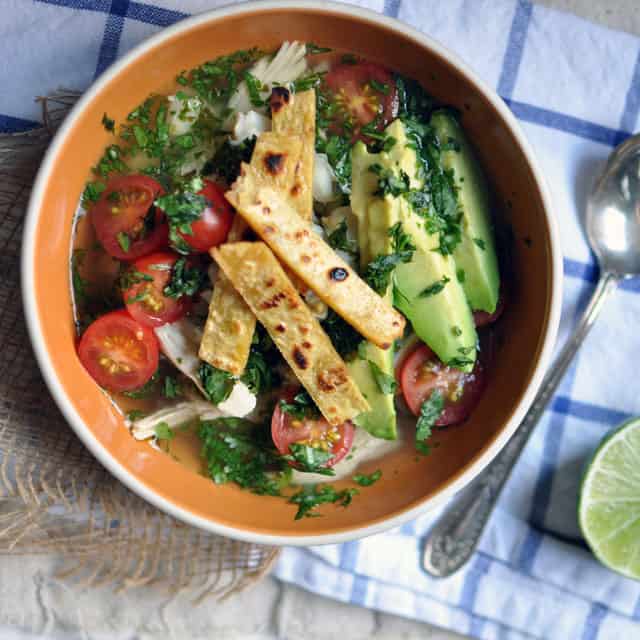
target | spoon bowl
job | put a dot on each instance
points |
(613, 212)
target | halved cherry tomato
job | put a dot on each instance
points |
(285, 430)
(363, 91)
(215, 221)
(126, 222)
(482, 318)
(119, 353)
(145, 297)
(423, 372)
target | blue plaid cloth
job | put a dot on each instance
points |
(576, 89)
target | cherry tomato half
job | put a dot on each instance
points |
(423, 372)
(145, 297)
(363, 91)
(285, 430)
(119, 353)
(482, 318)
(215, 221)
(126, 222)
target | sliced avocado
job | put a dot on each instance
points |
(443, 320)
(363, 185)
(476, 253)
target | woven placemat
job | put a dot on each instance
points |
(55, 498)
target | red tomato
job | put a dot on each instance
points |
(145, 298)
(286, 430)
(215, 221)
(482, 318)
(363, 91)
(423, 372)
(118, 352)
(126, 222)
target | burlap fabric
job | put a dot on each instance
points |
(54, 496)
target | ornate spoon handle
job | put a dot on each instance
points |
(454, 537)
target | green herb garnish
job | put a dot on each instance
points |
(339, 239)
(429, 412)
(216, 383)
(461, 275)
(367, 481)
(301, 407)
(434, 288)
(92, 192)
(313, 48)
(378, 272)
(386, 383)
(228, 158)
(338, 152)
(480, 243)
(171, 388)
(254, 87)
(124, 241)
(108, 123)
(310, 459)
(185, 280)
(343, 336)
(310, 497)
(145, 390)
(135, 414)
(182, 208)
(381, 87)
(164, 432)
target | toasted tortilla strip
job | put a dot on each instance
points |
(258, 276)
(295, 114)
(228, 330)
(314, 262)
(277, 161)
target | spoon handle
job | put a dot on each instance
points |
(455, 536)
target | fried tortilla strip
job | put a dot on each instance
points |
(313, 261)
(229, 328)
(258, 276)
(295, 114)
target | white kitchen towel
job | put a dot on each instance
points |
(576, 89)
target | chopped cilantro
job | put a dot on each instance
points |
(92, 193)
(313, 48)
(434, 288)
(254, 87)
(339, 239)
(349, 58)
(461, 275)
(147, 389)
(217, 383)
(456, 331)
(228, 158)
(310, 459)
(302, 406)
(338, 152)
(413, 100)
(384, 381)
(164, 432)
(78, 283)
(124, 241)
(135, 414)
(388, 143)
(310, 497)
(367, 481)
(343, 336)
(172, 388)
(429, 412)
(108, 123)
(185, 280)
(182, 208)
(378, 272)
(481, 243)
(130, 277)
(390, 183)
(260, 372)
(381, 87)
(307, 82)
(459, 362)
(235, 451)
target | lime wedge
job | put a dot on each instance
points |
(609, 505)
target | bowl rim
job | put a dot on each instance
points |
(64, 403)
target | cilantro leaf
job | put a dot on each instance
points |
(228, 158)
(310, 459)
(367, 481)
(171, 388)
(182, 208)
(385, 382)
(135, 414)
(185, 280)
(164, 432)
(338, 152)
(254, 87)
(145, 390)
(108, 123)
(390, 182)
(378, 272)
(217, 383)
(429, 412)
(310, 497)
(339, 239)
(302, 406)
(434, 288)
(343, 336)
(313, 48)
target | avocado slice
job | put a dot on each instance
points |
(443, 320)
(476, 253)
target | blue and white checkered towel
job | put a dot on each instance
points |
(576, 89)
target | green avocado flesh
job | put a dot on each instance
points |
(476, 254)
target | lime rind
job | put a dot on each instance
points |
(609, 502)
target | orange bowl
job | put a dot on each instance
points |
(408, 487)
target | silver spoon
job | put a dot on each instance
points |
(613, 229)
